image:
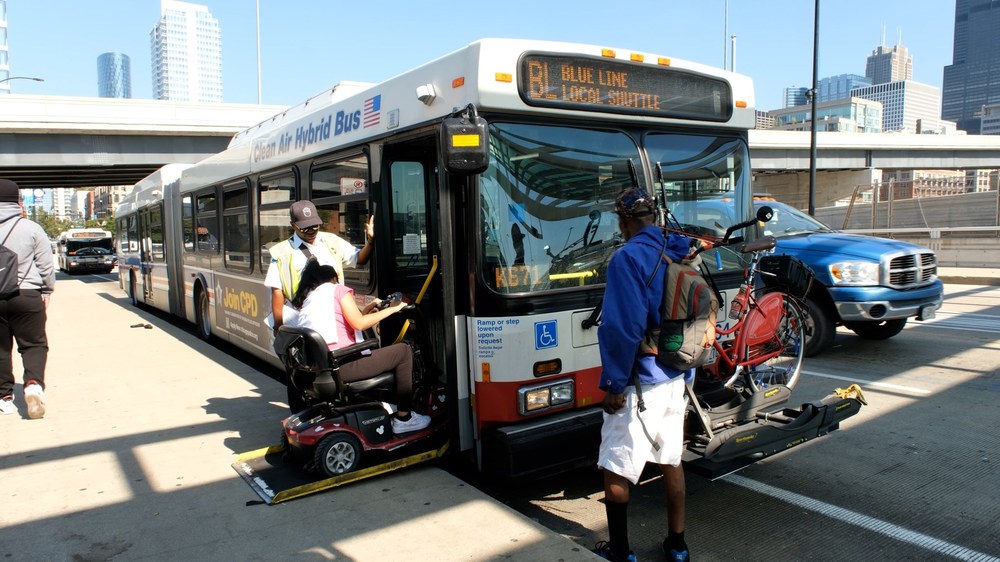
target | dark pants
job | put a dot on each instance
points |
(397, 358)
(22, 318)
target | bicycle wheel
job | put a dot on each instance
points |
(777, 360)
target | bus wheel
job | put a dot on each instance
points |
(131, 290)
(202, 319)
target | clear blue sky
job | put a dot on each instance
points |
(310, 45)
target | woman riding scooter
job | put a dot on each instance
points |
(328, 307)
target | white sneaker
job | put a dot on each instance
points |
(35, 397)
(7, 406)
(415, 423)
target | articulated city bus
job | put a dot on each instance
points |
(86, 249)
(501, 162)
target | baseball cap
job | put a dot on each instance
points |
(304, 214)
(634, 202)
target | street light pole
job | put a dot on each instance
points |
(9, 78)
(812, 99)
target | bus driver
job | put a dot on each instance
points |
(289, 257)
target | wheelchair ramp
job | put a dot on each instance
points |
(277, 481)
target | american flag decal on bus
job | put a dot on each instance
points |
(373, 111)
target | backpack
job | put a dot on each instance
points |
(687, 318)
(10, 285)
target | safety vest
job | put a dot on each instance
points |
(282, 256)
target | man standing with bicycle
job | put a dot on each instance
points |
(630, 438)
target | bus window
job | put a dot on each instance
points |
(409, 215)
(275, 194)
(156, 233)
(187, 223)
(236, 227)
(547, 205)
(345, 177)
(133, 234)
(705, 183)
(207, 231)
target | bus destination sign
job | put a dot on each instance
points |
(598, 84)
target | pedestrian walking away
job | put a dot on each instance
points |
(23, 302)
(643, 418)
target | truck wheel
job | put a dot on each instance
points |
(338, 453)
(882, 330)
(820, 330)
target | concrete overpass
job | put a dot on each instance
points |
(846, 160)
(53, 141)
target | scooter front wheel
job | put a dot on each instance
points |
(338, 453)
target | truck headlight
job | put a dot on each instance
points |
(535, 398)
(854, 273)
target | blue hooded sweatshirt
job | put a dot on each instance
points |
(630, 308)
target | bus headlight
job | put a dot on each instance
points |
(539, 397)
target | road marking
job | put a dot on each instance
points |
(970, 321)
(864, 521)
(877, 384)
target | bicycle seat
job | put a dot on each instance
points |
(758, 245)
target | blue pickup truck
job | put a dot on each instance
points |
(870, 285)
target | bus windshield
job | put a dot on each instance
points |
(547, 205)
(547, 198)
(704, 181)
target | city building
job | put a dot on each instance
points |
(764, 119)
(839, 87)
(187, 54)
(4, 53)
(903, 103)
(990, 120)
(106, 200)
(114, 78)
(844, 115)
(889, 65)
(796, 96)
(972, 80)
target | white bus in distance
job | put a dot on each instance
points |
(90, 250)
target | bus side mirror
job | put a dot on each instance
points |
(465, 144)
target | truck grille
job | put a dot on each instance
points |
(912, 270)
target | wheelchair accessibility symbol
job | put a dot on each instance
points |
(545, 335)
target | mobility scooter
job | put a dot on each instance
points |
(343, 423)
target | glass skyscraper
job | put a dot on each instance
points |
(187, 54)
(4, 54)
(972, 80)
(114, 76)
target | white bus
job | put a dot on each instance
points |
(501, 161)
(86, 250)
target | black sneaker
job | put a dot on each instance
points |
(675, 555)
(603, 549)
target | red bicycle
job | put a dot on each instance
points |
(764, 345)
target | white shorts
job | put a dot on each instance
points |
(625, 447)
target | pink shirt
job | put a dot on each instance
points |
(321, 312)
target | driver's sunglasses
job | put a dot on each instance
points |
(310, 229)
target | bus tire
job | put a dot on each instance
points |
(202, 318)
